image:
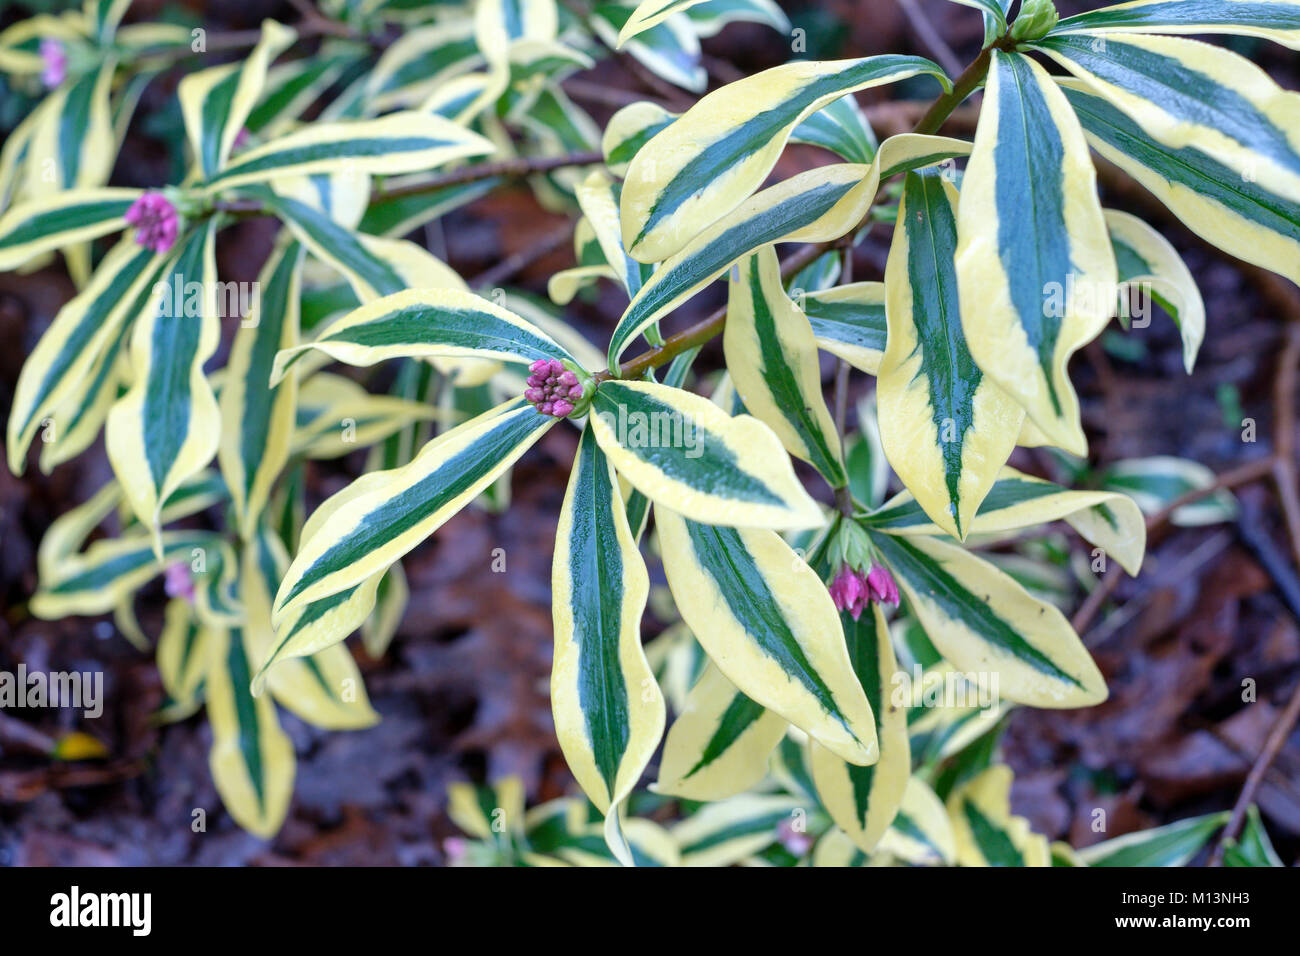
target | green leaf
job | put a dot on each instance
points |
(1171, 845)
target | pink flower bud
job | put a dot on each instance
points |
(178, 583)
(55, 61)
(554, 389)
(455, 849)
(883, 587)
(156, 222)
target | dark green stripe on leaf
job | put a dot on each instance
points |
(448, 481)
(994, 844)
(249, 730)
(721, 552)
(173, 350)
(951, 375)
(740, 715)
(596, 585)
(927, 577)
(1032, 240)
(709, 466)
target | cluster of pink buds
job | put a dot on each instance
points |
(851, 589)
(553, 388)
(156, 221)
(55, 61)
(178, 583)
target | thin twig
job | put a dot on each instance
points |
(930, 37)
(511, 265)
(1282, 728)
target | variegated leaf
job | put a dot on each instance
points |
(1149, 265)
(1185, 93)
(728, 831)
(986, 832)
(325, 688)
(1240, 215)
(216, 102)
(81, 333)
(1109, 520)
(1174, 844)
(864, 800)
(1034, 265)
(256, 420)
(252, 759)
(1276, 20)
(945, 426)
(710, 159)
(362, 537)
(30, 229)
(428, 323)
(814, 206)
(609, 713)
(772, 357)
(984, 623)
(766, 620)
(398, 143)
(167, 426)
(719, 744)
(849, 322)
(683, 452)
